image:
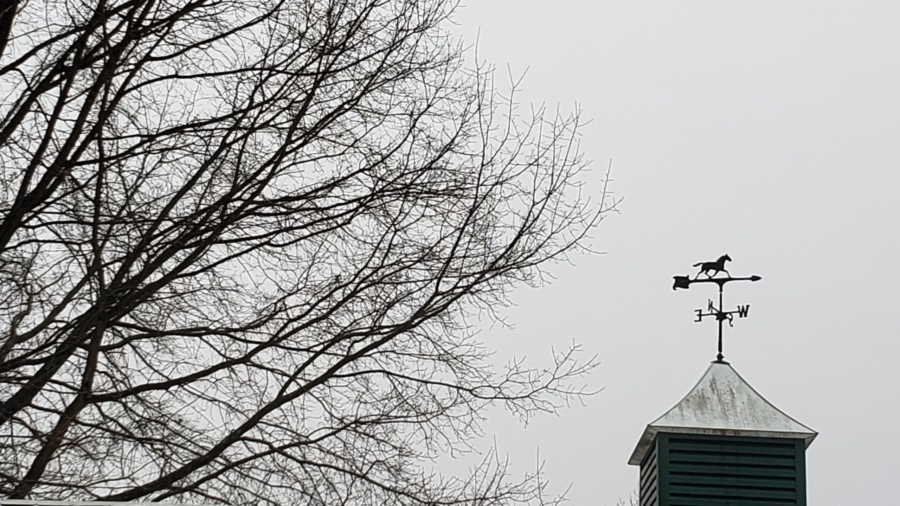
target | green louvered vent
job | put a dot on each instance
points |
(649, 491)
(727, 471)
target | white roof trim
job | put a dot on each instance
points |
(722, 403)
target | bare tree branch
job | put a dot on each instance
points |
(241, 242)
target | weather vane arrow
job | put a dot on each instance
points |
(711, 270)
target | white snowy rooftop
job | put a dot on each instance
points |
(722, 403)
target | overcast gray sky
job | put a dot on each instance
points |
(766, 130)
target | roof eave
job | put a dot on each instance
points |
(649, 435)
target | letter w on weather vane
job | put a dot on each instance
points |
(712, 270)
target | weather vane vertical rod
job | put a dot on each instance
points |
(720, 356)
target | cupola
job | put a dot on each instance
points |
(723, 445)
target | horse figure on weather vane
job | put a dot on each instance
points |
(711, 270)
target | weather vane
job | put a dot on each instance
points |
(711, 270)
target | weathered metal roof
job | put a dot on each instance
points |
(722, 403)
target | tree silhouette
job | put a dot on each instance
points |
(242, 245)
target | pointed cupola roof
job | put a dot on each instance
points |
(722, 403)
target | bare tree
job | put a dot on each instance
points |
(242, 244)
(632, 500)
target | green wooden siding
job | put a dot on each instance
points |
(696, 470)
(649, 487)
